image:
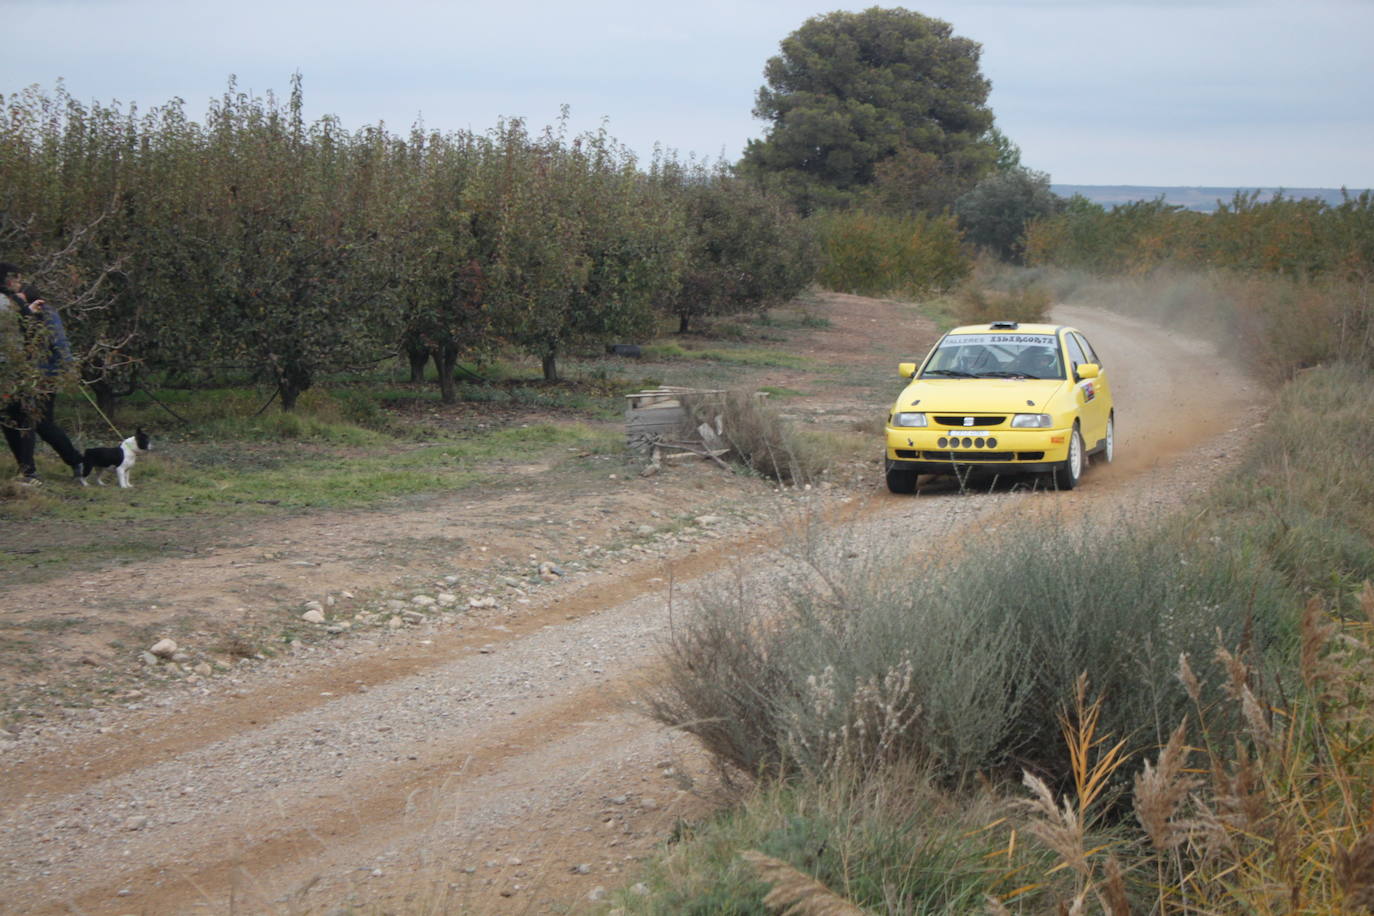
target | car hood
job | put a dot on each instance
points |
(980, 395)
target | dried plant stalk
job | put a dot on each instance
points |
(1159, 790)
(1355, 871)
(795, 893)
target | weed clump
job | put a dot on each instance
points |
(759, 437)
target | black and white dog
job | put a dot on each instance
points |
(121, 459)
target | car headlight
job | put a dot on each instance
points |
(909, 419)
(1031, 421)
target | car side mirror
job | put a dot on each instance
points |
(1088, 370)
(906, 370)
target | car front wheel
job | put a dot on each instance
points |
(1070, 471)
(1109, 449)
(901, 480)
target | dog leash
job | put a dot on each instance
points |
(117, 433)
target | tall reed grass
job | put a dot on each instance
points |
(1260, 802)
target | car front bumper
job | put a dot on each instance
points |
(931, 450)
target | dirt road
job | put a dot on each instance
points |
(499, 762)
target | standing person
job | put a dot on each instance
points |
(29, 324)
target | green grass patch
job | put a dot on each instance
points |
(193, 477)
(1304, 503)
(751, 357)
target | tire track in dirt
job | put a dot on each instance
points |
(106, 756)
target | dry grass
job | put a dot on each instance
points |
(1070, 827)
(1277, 814)
(794, 893)
(760, 438)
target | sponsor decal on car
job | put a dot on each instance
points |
(1089, 392)
(983, 340)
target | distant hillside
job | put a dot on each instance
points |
(1203, 199)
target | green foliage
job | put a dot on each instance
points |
(852, 90)
(841, 667)
(913, 181)
(736, 356)
(582, 246)
(746, 250)
(255, 242)
(894, 846)
(252, 238)
(979, 303)
(1297, 239)
(59, 222)
(441, 257)
(298, 283)
(994, 215)
(872, 254)
(1306, 503)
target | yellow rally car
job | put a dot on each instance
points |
(1001, 397)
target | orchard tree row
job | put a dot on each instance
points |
(255, 240)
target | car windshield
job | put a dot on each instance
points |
(995, 356)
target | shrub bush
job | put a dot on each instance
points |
(864, 657)
(980, 306)
(873, 254)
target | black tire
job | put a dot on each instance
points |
(1070, 470)
(901, 480)
(1109, 446)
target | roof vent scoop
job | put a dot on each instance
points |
(1004, 326)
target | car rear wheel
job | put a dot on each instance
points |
(1070, 471)
(901, 480)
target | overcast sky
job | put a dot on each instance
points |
(1153, 92)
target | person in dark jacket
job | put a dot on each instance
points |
(27, 410)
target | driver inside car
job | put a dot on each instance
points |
(1037, 362)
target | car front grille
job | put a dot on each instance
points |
(977, 421)
(969, 456)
